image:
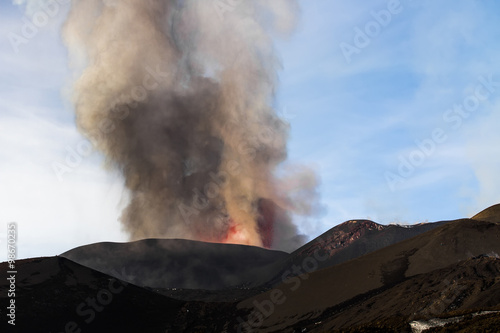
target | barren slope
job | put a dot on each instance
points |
(54, 292)
(310, 295)
(179, 263)
(355, 238)
(491, 214)
(468, 285)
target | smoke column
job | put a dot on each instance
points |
(178, 96)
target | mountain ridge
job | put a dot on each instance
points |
(491, 214)
(179, 263)
(437, 248)
(347, 281)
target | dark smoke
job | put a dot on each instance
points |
(178, 96)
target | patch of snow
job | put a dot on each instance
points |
(419, 326)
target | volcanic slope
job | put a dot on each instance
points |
(181, 264)
(309, 295)
(54, 294)
(347, 241)
(355, 238)
(491, 214)
(468, 286)
(181, 268)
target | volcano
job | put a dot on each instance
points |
(491, 214)
(181, 264)
(359, 276)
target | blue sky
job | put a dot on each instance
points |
(354, 118)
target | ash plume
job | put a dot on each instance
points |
(178, 95)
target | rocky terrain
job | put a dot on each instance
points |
(359, 276)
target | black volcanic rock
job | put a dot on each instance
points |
(348, 282)
(462, 287)
(55, 294)
(469, 286)
(181, 264)
(310, 294)
(347, 241)
(355, 238)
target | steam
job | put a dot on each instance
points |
(178, 95)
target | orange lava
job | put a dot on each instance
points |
(238, 234)
(256, 233)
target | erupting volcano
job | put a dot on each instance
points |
(179, 96)
(269, 214)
